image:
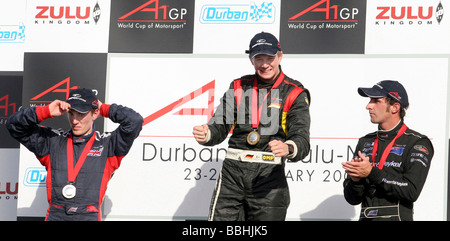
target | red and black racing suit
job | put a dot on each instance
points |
(258, 191)
(390, 193)
(50, 147)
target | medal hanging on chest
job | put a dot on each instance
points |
(253, 137)
(69, 191)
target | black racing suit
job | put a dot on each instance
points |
(50, 147)
(258, 191)
(390, 193)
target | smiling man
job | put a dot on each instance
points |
(391, 165)
(268, 114)
(79, 162)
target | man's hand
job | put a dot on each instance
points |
(99, 104)
(200, 133)
(58, 108)
(358, 167)
(279, 148)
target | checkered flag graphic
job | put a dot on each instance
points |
(22, 31)
(257, 13)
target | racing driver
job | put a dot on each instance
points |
(79, 162)
(390, 165)
(268, 114)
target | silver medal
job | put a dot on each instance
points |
(69, 191)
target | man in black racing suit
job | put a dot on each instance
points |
(388, 186)
(76, 194)
(268, 114)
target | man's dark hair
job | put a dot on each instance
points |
(392, 101)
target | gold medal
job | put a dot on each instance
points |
(253, 138)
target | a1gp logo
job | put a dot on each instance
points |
(7, 106)
(157, 11)
(328, 12)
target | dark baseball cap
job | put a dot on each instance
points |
(82, 100)
(386, 88)
(263, 43)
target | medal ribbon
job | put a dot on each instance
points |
(71, 171)
(387, 150)
(256, 112)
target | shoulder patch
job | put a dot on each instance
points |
(421, 148)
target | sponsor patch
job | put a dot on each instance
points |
(397, 150)
(418, 160)
(72, 210)
(96, 151)
(421, 148)
(268, 157)
(373, 213)
(248, 156)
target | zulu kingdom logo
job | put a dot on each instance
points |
(9, 190)
(77, 15)
(409, 15)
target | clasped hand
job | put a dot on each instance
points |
(357, 168)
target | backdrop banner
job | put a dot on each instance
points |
(168, 175)
(172, 61)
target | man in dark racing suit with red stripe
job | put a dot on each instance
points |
(391, 164)
(268, 114)
(79, 162)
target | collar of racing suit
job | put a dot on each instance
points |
(264, 85)
(83, 139)
(389, 134)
